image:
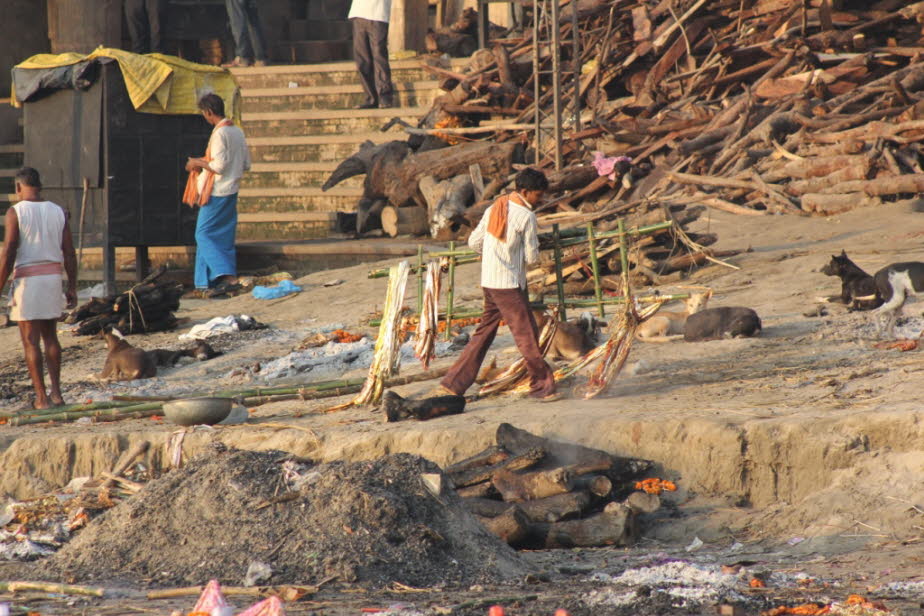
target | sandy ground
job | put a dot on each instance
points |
(803, 444)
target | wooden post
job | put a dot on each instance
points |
(623, 257)
(451, 289)
(407, 26)
(559, 282)
(595, 266)
(420, 279)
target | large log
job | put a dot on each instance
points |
(404, 220)
(399, 180)
(611, 527)
(579, 459)
(361, 162)
(398, 408)
(518, 487)
(837, 203)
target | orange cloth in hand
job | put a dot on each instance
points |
(191, 195)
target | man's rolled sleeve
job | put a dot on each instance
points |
(531, 240)
(219, 154)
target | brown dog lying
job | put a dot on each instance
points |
(573, 338)
(125, 362)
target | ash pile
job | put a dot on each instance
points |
(537, 493)
(287, 521)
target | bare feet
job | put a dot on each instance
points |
(38, 405)
(57, 399)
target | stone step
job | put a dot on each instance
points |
(284, 226)
(324, 121)
(263, 100)
(302, 52)
(294, 175)
(303, 199)
(6, 180)
(313, 148)
(11, 155)
(330, 74)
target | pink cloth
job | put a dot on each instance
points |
(39, 269)
(210, 598)
(606, 165)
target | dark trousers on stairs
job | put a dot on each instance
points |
(370, 51)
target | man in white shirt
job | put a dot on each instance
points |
(37, 250)
(370, 50)
(507, 239)
(218, 181)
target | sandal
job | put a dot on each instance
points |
(227, 289)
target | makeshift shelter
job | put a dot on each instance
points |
(110, 133)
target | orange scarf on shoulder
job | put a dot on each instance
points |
(191, 195)
(497, 224)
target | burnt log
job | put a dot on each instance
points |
(549, 509)
(580, 460)
(397, 408)
(518, 462)
(491, 455)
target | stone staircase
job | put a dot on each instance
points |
(11, 156)
(300, 124)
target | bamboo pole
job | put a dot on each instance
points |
(623, 256)
(50, 587)
(450, 291)
(595, 266)
(324, 389)
(420, 278)
(572, 237)
(559, 281)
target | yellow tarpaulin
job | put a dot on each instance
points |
(156, 83)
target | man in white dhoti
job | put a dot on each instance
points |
(37, 250)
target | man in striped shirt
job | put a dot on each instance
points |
(507, 239)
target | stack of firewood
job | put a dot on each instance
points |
(753, 107)
(534, 492)
(146, 307)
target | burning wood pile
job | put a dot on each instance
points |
(534, 492)
(753, 107)
(146, 307)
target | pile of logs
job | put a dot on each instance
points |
(753, 107)
(534, 492)
(146, 307)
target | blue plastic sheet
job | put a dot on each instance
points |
(286, 287)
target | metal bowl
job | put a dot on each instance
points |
(195, 411)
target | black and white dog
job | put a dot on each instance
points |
(895, 283)
(858, 289)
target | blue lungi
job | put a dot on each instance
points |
(215, 231)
